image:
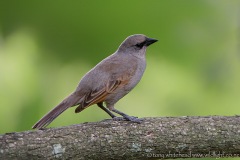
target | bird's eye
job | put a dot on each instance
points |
(139, 45)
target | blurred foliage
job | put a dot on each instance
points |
(47, 46)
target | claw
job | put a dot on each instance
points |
(133, 119)
(128, 118)
(118, 119)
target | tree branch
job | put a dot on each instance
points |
(168, 138)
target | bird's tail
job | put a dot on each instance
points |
(49, 117)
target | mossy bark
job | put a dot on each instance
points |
(154, 138)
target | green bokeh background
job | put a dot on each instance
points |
(47, 46)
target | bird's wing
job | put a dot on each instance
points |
(100, 95)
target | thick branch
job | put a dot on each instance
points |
(155, 138)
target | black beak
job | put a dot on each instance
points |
(150, 41)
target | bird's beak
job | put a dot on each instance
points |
(150, 41)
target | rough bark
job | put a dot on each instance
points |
(155, 138)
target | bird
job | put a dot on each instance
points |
(109, 81)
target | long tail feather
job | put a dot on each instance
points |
(50, 116)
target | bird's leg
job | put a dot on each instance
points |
(106, 110)
(127, 117)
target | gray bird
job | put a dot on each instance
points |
(108, 81)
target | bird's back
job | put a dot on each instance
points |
(109, 69)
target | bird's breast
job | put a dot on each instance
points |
(136, 77)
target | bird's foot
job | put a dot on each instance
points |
(128, 118)
(133, 119)
(118, 119)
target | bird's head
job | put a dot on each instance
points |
(136, 43)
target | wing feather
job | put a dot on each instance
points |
(98, 96)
